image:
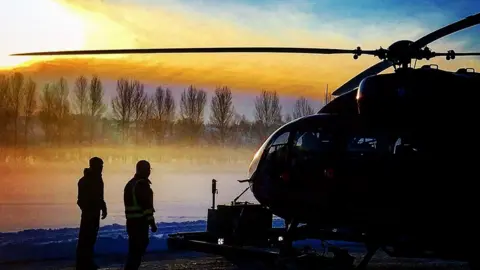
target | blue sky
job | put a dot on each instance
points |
(350, 16)
(429, 14)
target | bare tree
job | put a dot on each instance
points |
(328, 97)
(139, 105)
(16, 95)
(80, 102)
(241, 129)
(268, 112)
(302, 108)
(122, 105)
(30, 101)
(96, 107)
(192, 106)
(47, 112)
(169, 112)
(222, 112)
(169, 105)
(164, 110)
(4, 107)
(61, 108)
(80, 92)
(149, 119)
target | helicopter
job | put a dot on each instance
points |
(389, 158)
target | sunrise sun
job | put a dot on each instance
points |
(36, 25)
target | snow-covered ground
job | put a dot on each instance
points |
(44, 244)
(41, 244)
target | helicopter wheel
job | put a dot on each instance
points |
(371, 250)
(286, 246)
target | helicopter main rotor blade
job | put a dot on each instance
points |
(201, 50)
(459, 54)
(447, 30)
(355, 81)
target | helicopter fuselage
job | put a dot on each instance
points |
(392, 155)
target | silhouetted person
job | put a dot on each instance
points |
(138, 200)
(91, 202)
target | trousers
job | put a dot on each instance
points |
(87, 237)
(138, 240)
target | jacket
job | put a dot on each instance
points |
(138, 199)
(90, 192)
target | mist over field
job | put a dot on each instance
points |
(49, 131)
(40, 190)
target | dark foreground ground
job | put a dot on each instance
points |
(191, 261)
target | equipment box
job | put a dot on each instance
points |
(241, 224)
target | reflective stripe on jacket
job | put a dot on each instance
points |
(142, 206)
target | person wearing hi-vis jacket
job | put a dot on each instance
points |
(138, 200)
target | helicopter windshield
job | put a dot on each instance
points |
(256, 159)
(279, 141)
(278, 152)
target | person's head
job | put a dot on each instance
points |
(143, 168)
(96, 164)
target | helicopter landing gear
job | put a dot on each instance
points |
(371, 250)
(287, 253)
(342, 259)
(286, 247)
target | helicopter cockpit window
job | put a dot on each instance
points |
(279, 146)
(313, 141)
(363, 144)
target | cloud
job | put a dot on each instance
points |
(168, 23)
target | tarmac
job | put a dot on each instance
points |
(200, 261)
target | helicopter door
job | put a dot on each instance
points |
(311, 154)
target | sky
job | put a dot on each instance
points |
(35, 25)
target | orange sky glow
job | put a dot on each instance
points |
(89, 24)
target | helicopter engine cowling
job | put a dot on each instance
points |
(386, 101)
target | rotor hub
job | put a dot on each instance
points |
(403, 51)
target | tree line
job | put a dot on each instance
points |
(57, 113)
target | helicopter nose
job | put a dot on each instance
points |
(258, 186)
(267, 189)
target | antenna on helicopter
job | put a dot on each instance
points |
(326, 95)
